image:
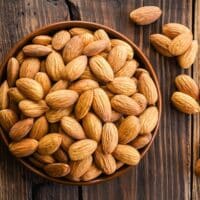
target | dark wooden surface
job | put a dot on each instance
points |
(166, 172)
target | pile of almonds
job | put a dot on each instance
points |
(77, 104)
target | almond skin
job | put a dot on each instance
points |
(20, 57)
(145, 15)
(87, 38)
(101, 104)
(4, 101)
(84, 104)
(187, 85)
(60, 156)
(12, 71)
(161, 43)
(66, 142)
(79, 31)
(29, 68)
(185, 103)
(30, 88)
(42, 39)
(60, 39)
(87, 74)
(141, 101)
(125, 105)
(47, 159)
(92, 173)
(188, 58)
(92, 126)
(148, 120)
(147, 87)
(49, 144)
(82, 149)
(24, 148)
(39, 129)
(127, 154)
(72, 128)
(20, 129)
(61, 98)
(101, 68)
(122, 85)
(15, 95)
(75, 68)
(57, 169)
(100, 34)
(109, 137)
(60, 85)
(180, 44)
(129, 129)
(36, 50)
(73, 48)
(141, 141)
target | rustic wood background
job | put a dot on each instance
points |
(166, 172)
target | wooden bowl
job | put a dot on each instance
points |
(90, 25)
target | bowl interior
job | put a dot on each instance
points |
(50, 29)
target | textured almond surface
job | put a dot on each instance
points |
(141, 141)
(42, 39)
(57, 169)
(93, 172)
(4, 100)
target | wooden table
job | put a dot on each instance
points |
(166, 172)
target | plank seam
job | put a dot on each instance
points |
(74, 11)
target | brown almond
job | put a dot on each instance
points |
(141, 101)
(140, 71)
(4, 100)
(115, 116)
(66, 142)
(57, 169)
(36, 163)
(47, 159)
(92, 173)
(15, 95)
(60, 156)
(43, 66)
(87, 38)
(79, 31)
(42, 39)
(20, 57)
(141, 141)
(60, 85)
(100, 34)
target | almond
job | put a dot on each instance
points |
(4, 101)
(180, 44)
(115, 116)
(117, 57)
(60, 85)
(60, 39)
(42, 39)
(60, 156)
(119, 164)
(7, 119)
(39, 129)
(33, 109)
(79, 31)
(188, 58)
(20, 129)
(140, 71)
(101, 104)
(72, 128)
(109, 137)
(128, 69)
(95, 47)
(185, 103)
(36, 50)
(141, 101)
(80, 167)
(30, 88)
(24, 148)
(49, 144)
(100, 34)
(106, 162)
(57, 169)
(92, 126)
(43, 66)
(56, 115)
(84, 104)
(75, 68)
(36, 163)
(61, 98)
(12, 71)
(47, 159)
(127, 154)
(187, 85)
(161, 43)
(73, 48)
(15, 95)
(92, 173)
(66, 142)
(172, 30)
(122, 85)
(54, 66)
(147, 87)
(148, 120)
(141, 141)
(86, 38)
(145, 15)
(20, 57)
(29, 68)
(83, 85)
(125, 105)
(82, 149)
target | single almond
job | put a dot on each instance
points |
(188, 58)
(109, 137)
(72, 128)
(42, 39)
(57, 169)
(79, 31)
(115, 116)
(15, 95)
(100, 34)
(141, 141)
(75, 68)
(84, 104)
(39, 129)
(92, 126)
(36, 50)
(86, 38)
(60, 85)
(47, 159)
(185, 103)
(140, 71)
(20, 57)
(66, 142)
(24, 148)
(127, 154)
(20, 129)
(60, 156)
(141, 101)
(12, 71)
(4, 100)
(92, 173)
(61, 98)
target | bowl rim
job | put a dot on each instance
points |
(90, 25)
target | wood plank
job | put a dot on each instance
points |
(17, 19)
(164, 173)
